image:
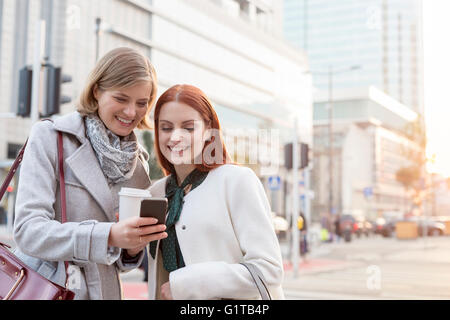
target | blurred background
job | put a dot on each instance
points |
(340, 107)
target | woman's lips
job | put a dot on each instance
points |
(124, 122)
(179, 151)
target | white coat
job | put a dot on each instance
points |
(224, 221)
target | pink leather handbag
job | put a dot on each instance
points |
(17, 280)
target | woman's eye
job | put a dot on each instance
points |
(142, 105)
(120, 99)
(189, 129)
(166, 129)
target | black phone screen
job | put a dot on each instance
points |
(155, 208)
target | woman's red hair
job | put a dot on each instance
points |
(196, 99)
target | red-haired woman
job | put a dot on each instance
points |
(219, 215)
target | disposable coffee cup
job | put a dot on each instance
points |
(130, 202)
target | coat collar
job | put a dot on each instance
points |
(86, 168)
(72, 123)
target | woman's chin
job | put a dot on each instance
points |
(122, 132)
(179, 160)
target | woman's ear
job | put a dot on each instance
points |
(207, 135)
(208, 132)
(95, 92)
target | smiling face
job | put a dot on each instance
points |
(182, 134)
(122, 109)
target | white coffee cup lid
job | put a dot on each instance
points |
(132, 192)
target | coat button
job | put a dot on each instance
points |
(183, 227)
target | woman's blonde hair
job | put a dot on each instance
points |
(119, 68)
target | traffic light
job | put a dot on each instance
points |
(54, 80)
(25, 84)
(52, 86)
(288, 156)
(304, 155)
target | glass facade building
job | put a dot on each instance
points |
(369, 147)
(231, 49)
(383, 37)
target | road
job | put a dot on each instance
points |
(376, 268)
(366, 268)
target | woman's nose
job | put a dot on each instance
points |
(130, 111)
(177, 135)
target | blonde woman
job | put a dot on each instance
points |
(219, 215)
(101, 155)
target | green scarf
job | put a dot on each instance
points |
(170, 248)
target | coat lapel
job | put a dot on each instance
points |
(86, 168)
(85, 165)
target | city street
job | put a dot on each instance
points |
(366, 268)
(376, 268)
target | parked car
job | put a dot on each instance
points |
(433, 228)
(362, 226)
(347, 226)
(384, 227)
(378, 225)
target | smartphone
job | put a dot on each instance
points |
(154, 208)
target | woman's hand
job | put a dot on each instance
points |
(166, 294)
(134, 252)
(135, 233)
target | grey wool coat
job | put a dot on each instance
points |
(42, 241)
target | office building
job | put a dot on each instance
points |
(231, 49)
(383, 37)
(369, 147)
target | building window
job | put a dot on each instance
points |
(13, 150)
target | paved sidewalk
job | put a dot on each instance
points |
(317, 265)
(135, 289)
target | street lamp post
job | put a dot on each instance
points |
(330, 74)
(295, 200)
(330, 139)
(98, 24)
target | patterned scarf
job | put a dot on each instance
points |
(172, 256)
(117, 155)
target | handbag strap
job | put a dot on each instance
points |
(259, 280)
(62, 191)
(62, 184)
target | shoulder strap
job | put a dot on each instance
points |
(62, 190)
(259, 280)
(62, 184)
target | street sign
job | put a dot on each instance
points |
(274, 183)
(368, 192)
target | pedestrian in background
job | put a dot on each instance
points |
(303, 228)
(337, 228)
(101, 155)
(219, 215)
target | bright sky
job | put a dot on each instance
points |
(437, 86)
